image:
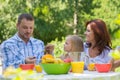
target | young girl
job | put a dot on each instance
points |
(73, 47)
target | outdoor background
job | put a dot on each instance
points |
(54, 19)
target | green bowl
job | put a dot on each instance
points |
(55, 68)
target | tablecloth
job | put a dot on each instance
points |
(87, 75)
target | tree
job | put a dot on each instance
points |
(58, 18)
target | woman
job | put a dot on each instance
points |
(73, 46)
(98, 42)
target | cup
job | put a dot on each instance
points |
(38, 68)
(91, 66)
(77, 67)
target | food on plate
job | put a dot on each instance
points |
(19, 74)
(11, 71)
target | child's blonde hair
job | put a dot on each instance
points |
(77, 43)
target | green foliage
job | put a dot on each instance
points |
(59, 47)
(51, 20)
(106, 10)
(6, 23)
(116, 35)
(117, 21)
(9, 11)
(55, 18)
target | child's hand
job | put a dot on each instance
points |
(49, 48)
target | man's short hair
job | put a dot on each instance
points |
(25, 16)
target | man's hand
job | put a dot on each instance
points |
(30, 60)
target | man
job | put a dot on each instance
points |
(22, 48)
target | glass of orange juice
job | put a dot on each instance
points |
(77, 67)
(38, 68)
(91, 66)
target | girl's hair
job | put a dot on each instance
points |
(77, 43)
(101, 34)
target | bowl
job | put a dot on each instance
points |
(27, 66)
(106, 67)
(56, 68)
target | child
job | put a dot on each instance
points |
(49, 48)
(73, 46)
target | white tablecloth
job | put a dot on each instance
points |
(87, 75)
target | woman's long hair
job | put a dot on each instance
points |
(101, 34)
